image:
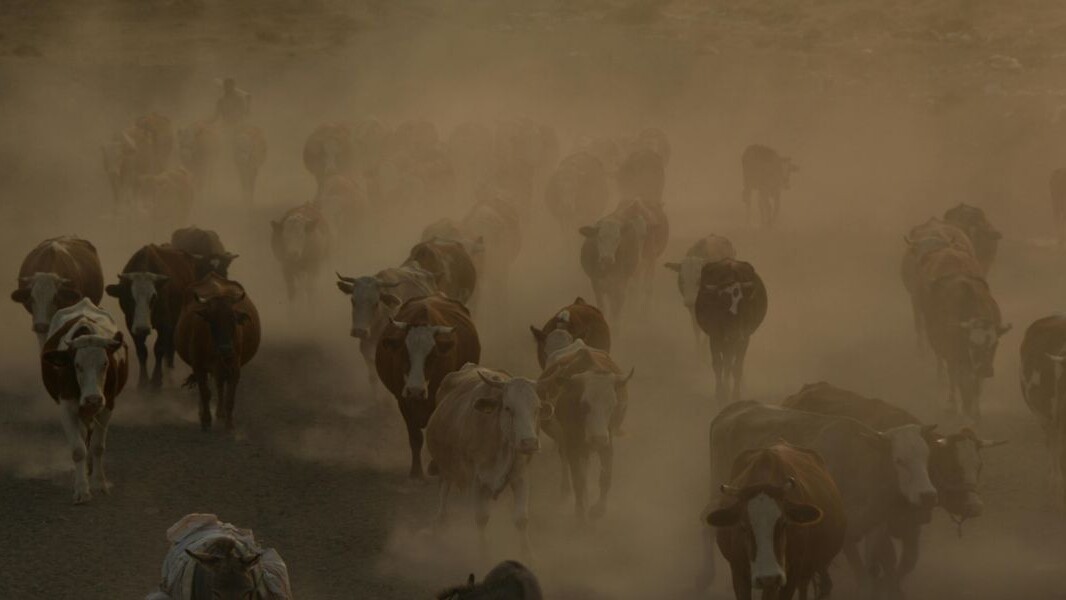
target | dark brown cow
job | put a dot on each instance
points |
(730, 306)
(579, 190)
(781, 521)
(329, 150)
(84, 365)
(923, 240)
(249, 154)
(768, 173)
(1057, 184)
(582, 320)
(58, 273)
(588, 394)
(1043, 354)
(206, 249)
(954, 467)
(450, 264)
(964, 327)
(217, 333)
(430, 337)
(712, 248)
(151, 292)
(975, 224)
(301, 242)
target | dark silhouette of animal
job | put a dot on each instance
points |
(979, 229)
(206, 249)
(582, 320)
(768, 174)
(730, 306)
(509, 580)
(1043, 357)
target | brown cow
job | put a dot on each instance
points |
(430, 337)
(712, 248)
(249, 154)
(781, 523)
(768, 173)
(84, 365)
(975, 224)
(151, 292)
(582, 320)
(58, 273)
(301, 242)
(217, 333)
(1043, 354)
(587, 391)
(206, 249)
(923, 240)
(451, 266)
(730, 307)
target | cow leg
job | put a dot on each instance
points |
(97, 446)
(718, 364)
(739, 353)
(746, 199)
(858, 568)
(883, 558)
(908, 557)
(205, 400)
(578, 465)
(953, 406)
(520, 488)
(823, 584)
(76, 436)
(160, 349)
(606, 474)
(970, 391)
(140, 343)
(367, 348)
(776, 195)
(231, 398)
(764, 209)
(696, 332)
(414, 439)
(220, 400)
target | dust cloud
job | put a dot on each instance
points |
(894, 112)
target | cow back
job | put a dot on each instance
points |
(584, 322)
(71, 258)
(196, 241)
(827, 399)
(450, 264)
(412, 282)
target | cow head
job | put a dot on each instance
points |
(138, 292)
(421, 342)
(982, 338)
(759, 517)
(688, 277)
(955, 468)
(600, 395)
(43, 294)
(608, 237)
(232, 572)
(515, 403)
(728, 295)
(908, 451)
(369, 300)
(89, 356)
(223, 320)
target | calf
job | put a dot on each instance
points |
(375, 300)
(582, 320)
(587, 391)
(482, 435)
(301, 243)
(768, 173)
(430, 337)
(730, 306)
(781, 521)
(151, 291)
(218, 333)
(712, 248)
(206, 249)
(84, 366)
(1043, 356)
(56, 274)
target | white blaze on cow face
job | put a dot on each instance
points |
(735, 293)
(421, 340)
(143, 291)
(765, 513)
(688, 279)
(599, 398)
(983, 339)
(90, 368)
(910, 459)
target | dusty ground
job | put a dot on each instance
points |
(894, 111)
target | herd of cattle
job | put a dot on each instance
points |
(827, 471)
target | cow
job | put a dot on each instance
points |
(874, 471)
(208, 559)
(730, 306)
(167, 195)
(1043, 357)
(206, 249)
(712, 248)
(151, 292)
(582, 320)
(653, 229)
(198, 151)
(642, 176)
(218, 332)
(429, 337)
(767, 173)
(1057, 185)
(781, 521)
(119, 160)
(975, 224)
(375, 300)
(509, 580)
(301, 242)
(923, 240)
(954, 466)
(610, 257)
(249, 154)
(84, 365)
(156, 141)
(589, 397)
(578, 191)
(56, 274)
(481, 436)
(329, 150)
(451, 265)
(964, 326)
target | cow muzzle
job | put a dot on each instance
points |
(226, 350)
(40, 327)
(359, 333)
(416, 394)
(768, 582)
(93, 401)
(529, 445)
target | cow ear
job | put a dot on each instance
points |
(345, 287)
(391, 300)
(587, 231)
(21, 295)
(114, 290)
(58, 358)
(673, 266)
(802, 514)
(487, 405)
(724, 517)
(537, 334)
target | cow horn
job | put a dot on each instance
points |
(345, 279)
(624, 380)
(490, 381)
(398, 324)
(729, 490)
(1057, 359)
(790, 484)
(990, 443)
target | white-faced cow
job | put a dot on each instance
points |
(610, 257)
(58, 273)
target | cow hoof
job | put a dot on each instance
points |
(104, 487)
(82, 496)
